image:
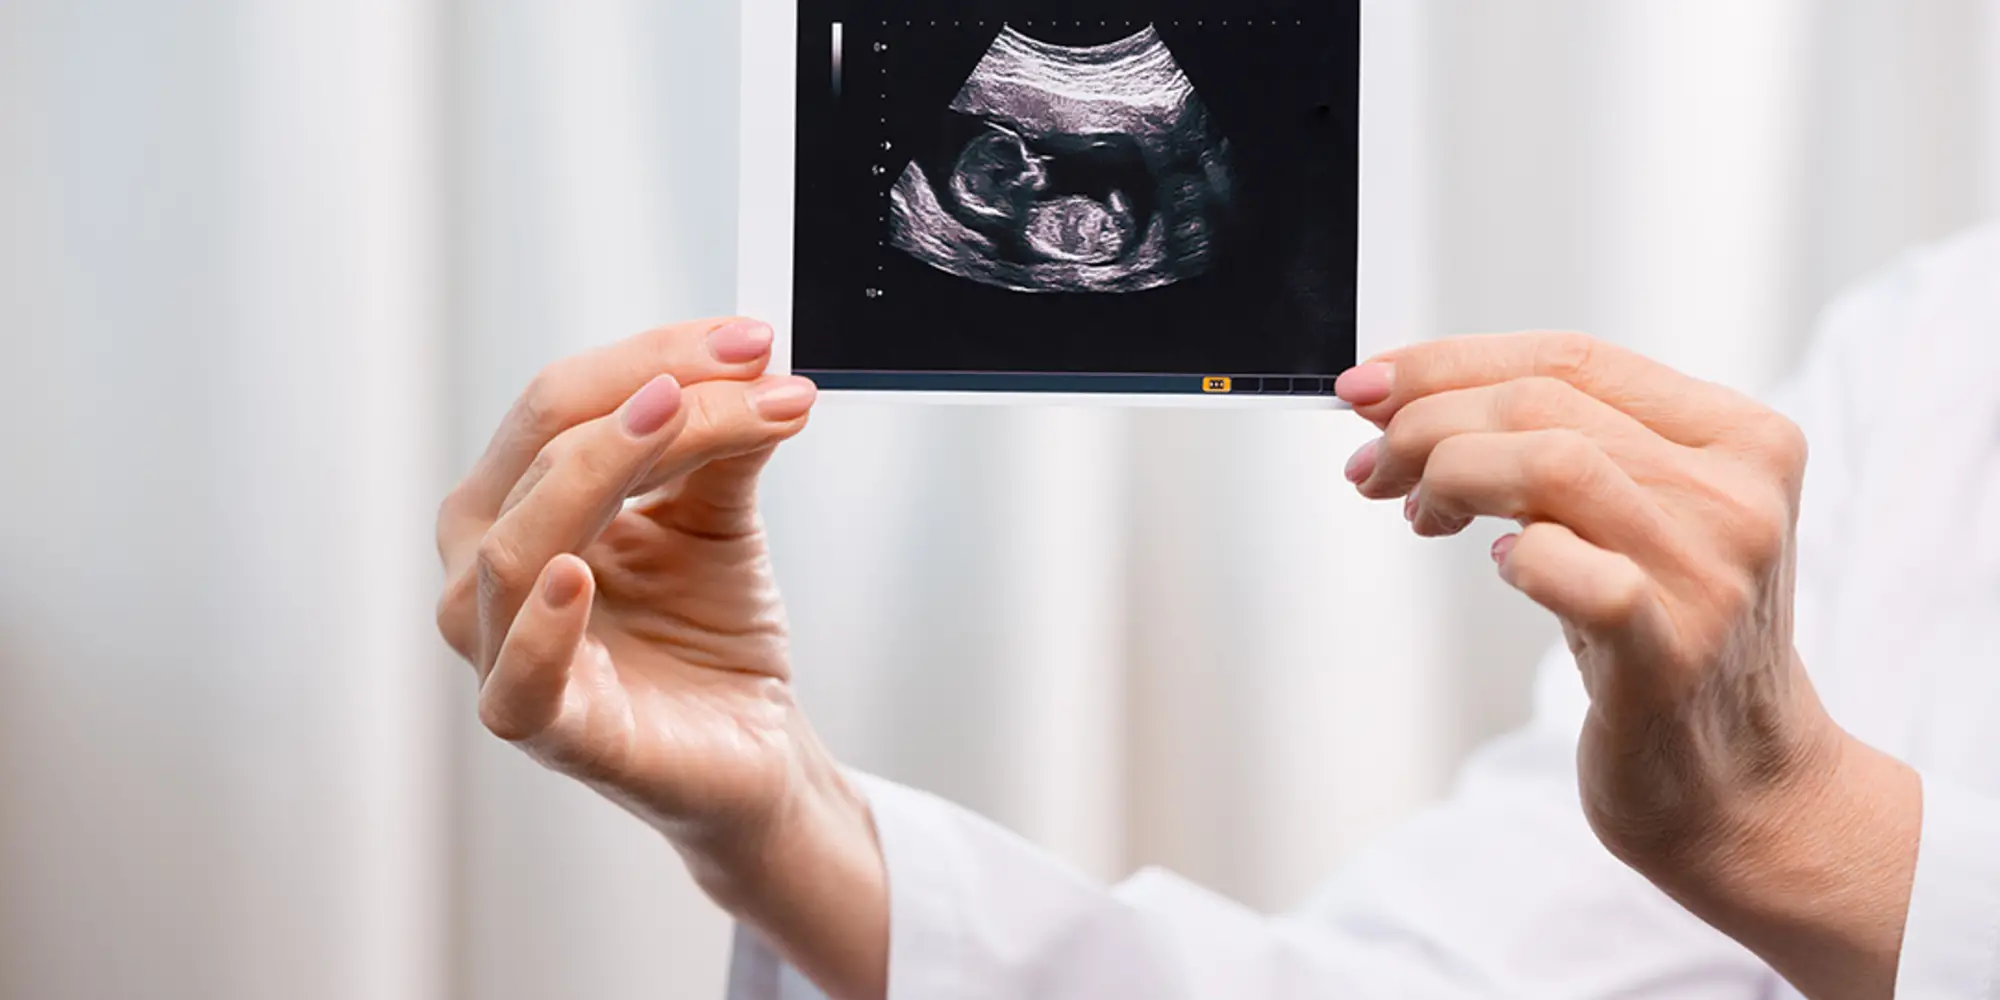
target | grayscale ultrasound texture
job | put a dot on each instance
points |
(1093, 169)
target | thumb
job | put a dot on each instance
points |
(523, 695)
(719, 500)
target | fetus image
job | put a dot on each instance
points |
(1070, 169)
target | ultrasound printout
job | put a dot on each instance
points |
(1112, 196)
(1094, 170)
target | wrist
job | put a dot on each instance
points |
(821, 817)
(1814, 875)
(809, 879)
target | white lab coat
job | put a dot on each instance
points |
(1501, 890)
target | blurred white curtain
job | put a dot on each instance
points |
(222, 754)
(269, 272)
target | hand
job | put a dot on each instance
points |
(1657, 516)
(609, 582)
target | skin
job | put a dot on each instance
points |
(609, 582)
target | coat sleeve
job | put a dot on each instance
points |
(1951, 938)
(1951, 933)
(1500, 891)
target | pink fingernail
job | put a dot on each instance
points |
(742, 341)
(1368, 384)
(1502, 546)
(784, 399)
(1362, 464)
(650, 408)
(1410, 507)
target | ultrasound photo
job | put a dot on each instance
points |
(1091, 168)
(1114, 196)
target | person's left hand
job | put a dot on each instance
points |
(609, 581)
(1657, 519)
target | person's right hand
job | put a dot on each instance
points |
(1657, 521)
(608, 579)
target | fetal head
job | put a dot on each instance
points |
(1082, 230)
(996, 176)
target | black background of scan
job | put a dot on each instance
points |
(1280, 299)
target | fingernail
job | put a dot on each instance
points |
(1362, 464)
(739, 342)
(650, 408)
(1410, 507)
(783, 399)
(1367, 384)
(563, 587)
(1503, 545)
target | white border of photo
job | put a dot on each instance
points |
(765, 199)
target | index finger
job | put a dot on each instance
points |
(588, 386)
(1678, 407)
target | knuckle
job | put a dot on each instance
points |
(1453, 481)
(500, 722)
(499, 568)
(546, 461)
(1764, 532)
(1785, 442)
(1565, 460)
(1529, 403)
(1565, 355)
(453, 501)
(575, 460)
(1625, 591)
(570, 463)
(671, 342)
(448, 513)
(1454, 452)
(1409, 434)
(704, 421)
(1449, 464)
(721, 424)
(455, 616)
(544, 405)
(1754, 516)
(538, 469)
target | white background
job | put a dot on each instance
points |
(270, 272)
